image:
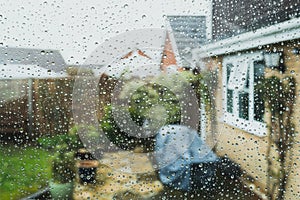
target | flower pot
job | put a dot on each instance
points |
(61, 190)
(83, 154)
(87, 170)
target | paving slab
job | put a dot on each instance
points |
(121, 175)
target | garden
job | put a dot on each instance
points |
(62, 162)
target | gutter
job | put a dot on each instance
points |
(288, 30)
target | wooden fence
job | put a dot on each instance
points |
(51, 112)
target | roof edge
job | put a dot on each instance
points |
(280, 32)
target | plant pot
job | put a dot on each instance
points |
(83, 154)
(61, 190)
(87, 170)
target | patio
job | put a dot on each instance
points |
(116, 176)
(119, 181)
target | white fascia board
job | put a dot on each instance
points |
(280, 32)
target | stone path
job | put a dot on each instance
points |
(121, 175)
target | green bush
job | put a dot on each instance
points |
(114, 133)
(150, 96)
(64, 147)
(71, 140)
(152, 102)
(63, 165)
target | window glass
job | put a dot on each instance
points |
(259, 103)
(244, 105)
(150, 99)
(244, 100)
(238, 77)
(229, 69)
(229, 101)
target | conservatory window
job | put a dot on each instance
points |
(243, 105)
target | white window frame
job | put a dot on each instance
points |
(251, 126)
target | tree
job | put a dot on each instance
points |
(279, 95)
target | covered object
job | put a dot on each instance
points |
(178, 148)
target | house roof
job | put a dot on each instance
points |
(234, 17)
(139, 50)
(18, 71)
(151, 41)
(189, 31)
(115, 48)
(48, 59)
(285, 31)
(168, 58)
(135, 63)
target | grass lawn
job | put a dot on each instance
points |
(23, 170)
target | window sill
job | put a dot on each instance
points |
(250, 126)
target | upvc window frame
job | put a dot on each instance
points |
(251, 125)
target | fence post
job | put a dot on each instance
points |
(30, 106)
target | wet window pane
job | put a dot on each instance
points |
(149, 99)
(259, 103)
(243, 105)
(230, 101)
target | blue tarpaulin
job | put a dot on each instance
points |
(177, 148)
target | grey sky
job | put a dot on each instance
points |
(77, 27)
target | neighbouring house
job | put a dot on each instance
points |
(138, 63)
(253, 41)
(183, 33)
(162, 51)
(169, 47)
